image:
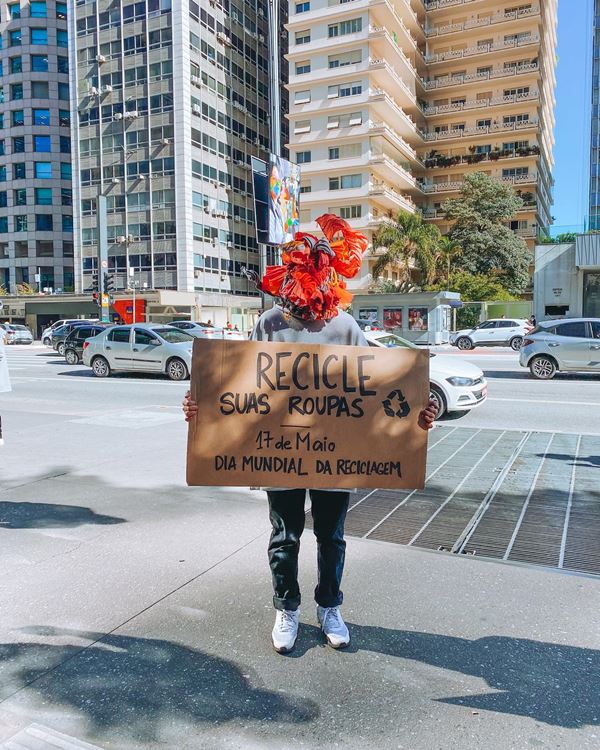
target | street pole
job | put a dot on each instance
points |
(132, 278)
(103, 259)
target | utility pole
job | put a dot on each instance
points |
(103, 259)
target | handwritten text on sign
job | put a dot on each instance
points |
(295, 415)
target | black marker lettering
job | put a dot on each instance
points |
(261, 370)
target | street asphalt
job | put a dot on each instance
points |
(135, 612)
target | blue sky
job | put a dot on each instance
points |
(573, 102)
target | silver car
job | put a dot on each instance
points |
(562, 345)
(17, 334)
(142, 347)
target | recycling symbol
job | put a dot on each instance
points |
(395, 405)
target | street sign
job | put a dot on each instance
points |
(104, 264)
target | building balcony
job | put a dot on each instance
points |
(484, 131)
(456, 185)
(384, 166)
(386, 107)
(387, 77)
(368, 223)
(387, 132)
(479, 23)
(380, 192)
(495, 101)
(468, 78)
(526, 233)
(482, 49)
(433, 5)
(400, 11)
(443, 161)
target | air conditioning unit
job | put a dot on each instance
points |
(117, 116)
(131, 115)
(94, 91)
(239, 162)
(115, 180)
(196, 79)
(141, 177)
(257, 141)
(261, 12)
(165, 141)
(261, 38)
(108, 89)
(206, 210)
(121, 239)
(215, 183)
(196, 108)
(227, 158)
(230, 244)
(100, 59)
(236, 218)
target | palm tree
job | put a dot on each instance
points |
(447, 250)
(407, 239)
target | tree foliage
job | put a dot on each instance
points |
(408, 241)
(489, 247)
(26, 289)
(474, 287)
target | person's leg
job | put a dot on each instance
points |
(329, 514)
(286, 511)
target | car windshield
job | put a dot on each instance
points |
(20, 328)
(391, 340)
(172, 335)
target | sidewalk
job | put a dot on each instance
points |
(153, 632)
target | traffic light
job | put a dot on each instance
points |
(96, 298)
(94, 285)
(108, 283)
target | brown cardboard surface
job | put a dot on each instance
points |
(258, 420)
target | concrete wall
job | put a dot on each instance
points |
(557, 281)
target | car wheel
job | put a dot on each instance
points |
(47, 342)
(438, 397)
(516, 343)
(542, 367)
(71, 357)
(177, 369)
(464, 343)
(61, 349)
(100, 367)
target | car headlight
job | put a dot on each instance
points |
(455, 380)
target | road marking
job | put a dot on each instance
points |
(527, 499)
(455, 490)
(540, 401)
(563, 542)
(433, 473)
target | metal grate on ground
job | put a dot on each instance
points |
(530, 497)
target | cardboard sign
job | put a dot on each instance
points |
(296, 415)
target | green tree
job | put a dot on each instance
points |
(408, 241)
(387, 286)
(488, 245)
(448, 250)
(474, 287)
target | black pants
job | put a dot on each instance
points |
(286, 511)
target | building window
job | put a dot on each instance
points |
(345, 89)
(63, 91)
(43, 196)
(2, 173)
(302, 126)
(67, 223)
(14, 11)
(344, 121)
(38, 9)
(303, 37)
(19, 171)
(21, 223)
(16, 91)
(345, 27)
(65, 144)
(66, 197)
(345, 182)
(302, 67)
(65, 170)
(61, 10)
(350, 212)
(39, 63)
(18, 118)
(63, 64)
(18, 144)
(2, 151)
(44, 222)
(39, 90)
(20, 197)
(303, 157)
(3, 224)
(39, 36)
(14, 38)
(16, 65)
(347, 58)
(62, 38)
(41, 117)
(302, 97)
(43, 170)
(302, 7)
(64, 117)
(42, 143)
(3, 199)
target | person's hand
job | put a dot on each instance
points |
(427, 415)
(190, 407)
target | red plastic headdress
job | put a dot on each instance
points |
(308, 284)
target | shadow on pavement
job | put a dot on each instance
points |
(547, 682)
(142, 685)
(23, 515)
(523, 374)
(592, 461)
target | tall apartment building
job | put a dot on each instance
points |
(594, 196)
(36, 224)
(172, 102)
(394, 101)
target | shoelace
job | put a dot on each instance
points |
(332, 613)
(287, 620)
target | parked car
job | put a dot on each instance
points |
(206, 331)
(17, 334)
(455, 385)
(499, 332)
(370, 325)
(76, 338)
(143, 347)
(60, 334)
(47, 332)
(562, 345)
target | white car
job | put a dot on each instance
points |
(206, 331)
(499, 332)
(47, 332)
(455, 385)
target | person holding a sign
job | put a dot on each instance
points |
(311, 296)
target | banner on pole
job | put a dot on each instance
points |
(313, 416)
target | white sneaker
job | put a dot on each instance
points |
(334, 627)
(285, 630)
